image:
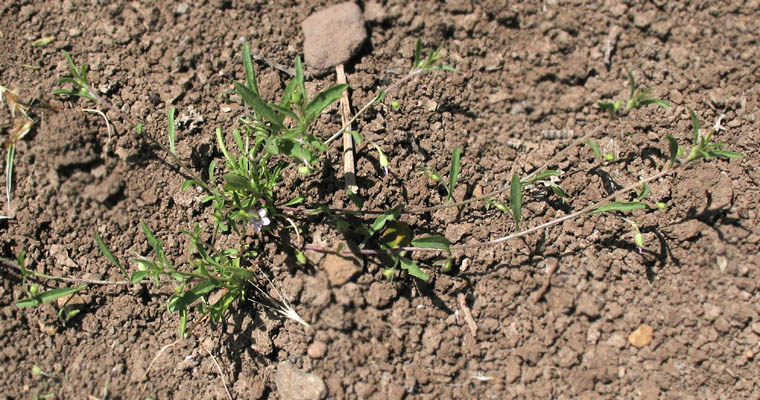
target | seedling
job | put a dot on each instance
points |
(454, 169)
(636, 98)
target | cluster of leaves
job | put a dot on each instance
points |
(211, 272)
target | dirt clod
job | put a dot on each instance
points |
(340, 269)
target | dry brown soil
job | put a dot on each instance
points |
(525, 71)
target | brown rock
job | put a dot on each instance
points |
(332, 36)
(641, 336)
(317, 349)
(294, 384)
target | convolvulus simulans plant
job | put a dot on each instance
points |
(276, 137)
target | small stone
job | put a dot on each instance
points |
(317, 349)
(332, 36)
(295, 384)
(182, 9)
(340, 269)
(641, 336)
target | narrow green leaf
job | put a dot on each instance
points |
(726, 154)
(542, 176)
(381, 157)
(259, 106)
(380, 221)
(559, 192)
(138, 276)
(296, 200)
(594, 148)
(285, 111)
(355, 198)
(154, 243)
(356, 136)
(287, 94)
(236, 182)
(694, 127)
(222, 146)
(515, 200)
(300, 94)
(322, 100)
(454, 170)
(620, 206)
(190, 296)
(417, 54)
(182, 323)
(47, 296)
(172, 130)
(250, 73)
(673, 150)
(432, 242)
(632, 84)
(413, 269)
(645, 190)
(107, 252)
(659, 102)
(239, 143)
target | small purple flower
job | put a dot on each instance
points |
(259, 221)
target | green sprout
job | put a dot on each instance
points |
(636, 98)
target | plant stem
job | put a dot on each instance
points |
(361, 111)
(422, 210)
(516, 235)
(12, 264)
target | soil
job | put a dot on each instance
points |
(529, 76)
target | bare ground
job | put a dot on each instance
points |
(529, 77)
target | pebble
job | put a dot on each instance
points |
(332, 36)
(317, 349)
(295, 384)
(642, 336)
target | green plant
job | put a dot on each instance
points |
(276, 137)
(636, 98)
(37, 296)
(454, 169)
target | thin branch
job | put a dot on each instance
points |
(361, 111)
(221, 373)
(585, 210)
(12, 264)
